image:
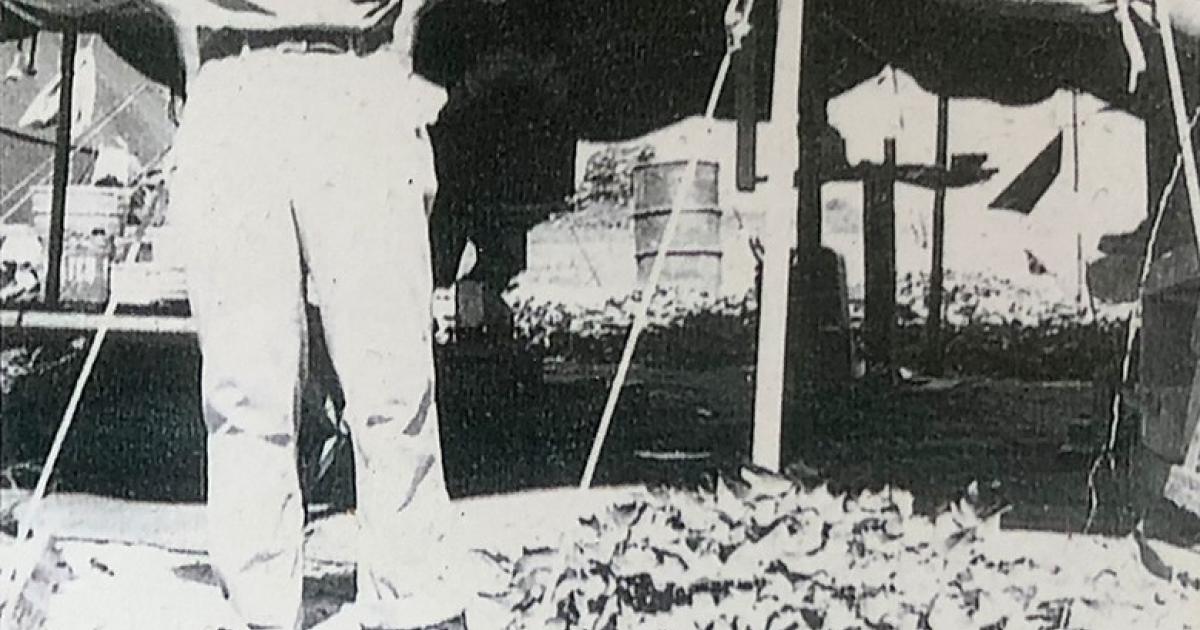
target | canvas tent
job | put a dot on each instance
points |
(627, 66)
(527, 78)
(620, 68)
(126, 109)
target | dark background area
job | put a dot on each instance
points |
(138, 435)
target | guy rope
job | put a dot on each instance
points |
(31, 544)
(737, 26)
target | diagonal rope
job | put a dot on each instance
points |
(16, 579)
(1133, 327)
(21, 573)
(79, 144)
(1186, 162)
(737, 24)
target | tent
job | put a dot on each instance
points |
(626, 64)
(527, 78)
(126, 107)
(617, 69)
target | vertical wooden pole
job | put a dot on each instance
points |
(806, 367)
(879, 241)
(62, 167)
(746, 101)
(1075, 140)
(31, 65)
(1079, 272)
(1079, 277)
(766, 441)
(933, 341)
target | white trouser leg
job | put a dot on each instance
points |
(363, 226)
(284, 155)
(235, 218)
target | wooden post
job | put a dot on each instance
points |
(747, 113)
(805, 368)
(766, 441)
(1075, 141)
(62, 167)
(1079, 270)
(879, 243)
(933, 341)
(31, 65)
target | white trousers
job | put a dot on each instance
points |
(284, 157)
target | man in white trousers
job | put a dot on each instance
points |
(302, 146)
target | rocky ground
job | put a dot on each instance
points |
(754, 552)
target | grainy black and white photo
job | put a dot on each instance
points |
(599, 314)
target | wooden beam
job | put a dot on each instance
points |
(13, 322)
(933, 322)
(766, 441)
(879, 244)
(62, 167)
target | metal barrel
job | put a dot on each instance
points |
(694, 258)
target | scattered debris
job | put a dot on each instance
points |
(761, 552)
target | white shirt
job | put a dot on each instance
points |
(281, 14)
(190, 15)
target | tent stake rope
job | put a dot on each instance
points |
(17, 579)
(737, 25)
(1183, 483)
(1187, 160)
(1132, 327)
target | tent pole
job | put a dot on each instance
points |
(746, 106)
(31, 67)
(1180, 113)
(933, 352)
(62, 166)
(1079, 271)
(781, 199)
(807, 363)
(879, 262)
